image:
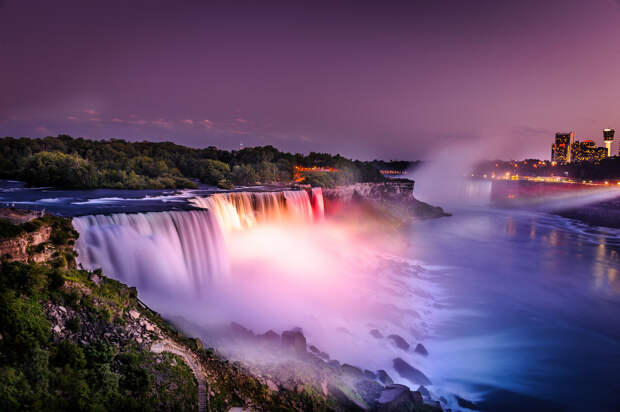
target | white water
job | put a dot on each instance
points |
(243, 210)
(183, 251)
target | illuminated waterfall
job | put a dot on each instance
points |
(239, 210)
(153, 250)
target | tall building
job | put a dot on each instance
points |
(561, 149)
(608, 137)
(587, 151)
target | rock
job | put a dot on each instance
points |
(342, 399)
(149, 327)
(324, 355)
(464, 403)
(62, 309)
(399, 342)
(370, 374)
(376, 334)
(295, 340)
(352, 370)
(384, 377)
(410, 373)
(314, 349)
(419, 348)
(57, 329)
(134, 314)
(96, 279)
(443, 400)
(425, 393)
(396, 398)
(368, 390)
(240, 332)
(334, 363)
(270, 338)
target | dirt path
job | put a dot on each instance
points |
(194, 364)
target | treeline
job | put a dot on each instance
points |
(606, 169)
(64, 161)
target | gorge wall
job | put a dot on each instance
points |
(396, 196)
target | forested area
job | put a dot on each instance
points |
(68, 162)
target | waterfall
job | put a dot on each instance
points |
(154, 250)
(163, 250)
(240, 210)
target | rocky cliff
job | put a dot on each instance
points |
(395, 196)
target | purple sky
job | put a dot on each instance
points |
(364, 79)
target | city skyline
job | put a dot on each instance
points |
(398, 81)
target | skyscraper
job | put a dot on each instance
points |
(608, 137)
(561, 149)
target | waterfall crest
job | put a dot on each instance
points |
(165, 249)
(241, 210)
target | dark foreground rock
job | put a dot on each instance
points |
(384, 377)
(419, 348)
(396, 398)
(399, 342)
(352, 370)
(376, 334)
(295, 340)
(410, 373)
(464, 403)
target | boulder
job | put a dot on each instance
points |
(334, 363)
(239, 331)
(396, 398)
(376, 334)
(352, 370)
(410, 373)
(370, 374)
(314, 349)
(270, 338)
(399, 342)
(342, 399)
(324, 355)
(295, 340)
(419, 348)
(425, 393)
(464, 403)
(369, 391)
(384, 377)
(134, 314)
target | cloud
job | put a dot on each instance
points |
(241, 120)
(91, 112)
(117, 120)
(44, 130)
(187, 122)
(95, 119)
(208, 123)
(161, 122)
(72, 118)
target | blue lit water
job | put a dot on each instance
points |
(532, 309)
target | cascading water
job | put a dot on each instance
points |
(182, 250)
(239, 210)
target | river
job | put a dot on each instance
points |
(521, 310)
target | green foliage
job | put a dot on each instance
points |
(38, 372)
(63, 161)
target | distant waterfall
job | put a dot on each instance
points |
(166, 249)
(239, 210)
